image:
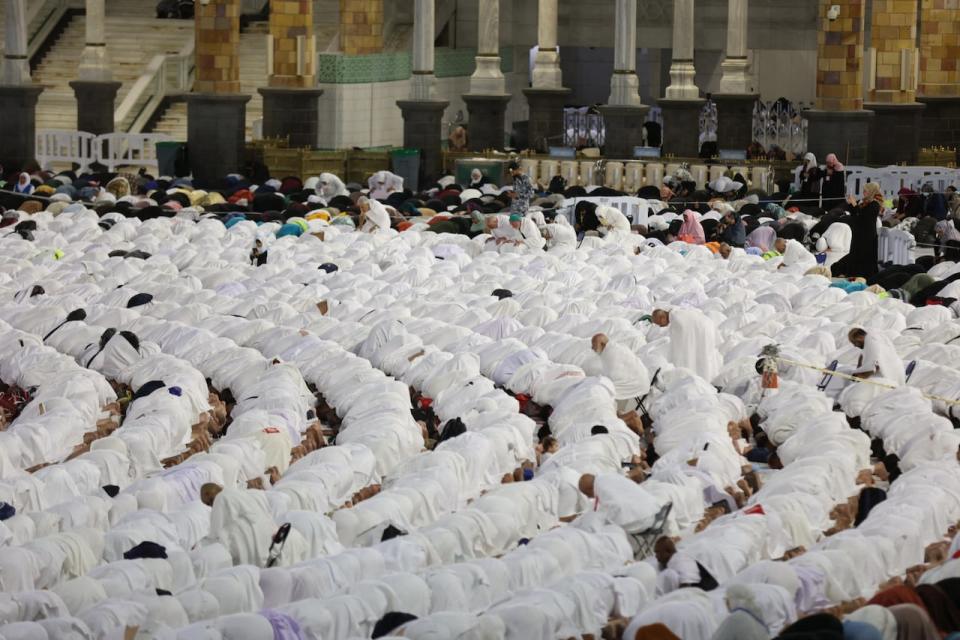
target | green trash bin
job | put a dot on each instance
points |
(406, 164)
(169, 155)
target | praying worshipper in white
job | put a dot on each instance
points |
(301, 411)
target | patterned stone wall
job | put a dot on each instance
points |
(840, 57)
(361, 26)
(894, 30)
(290, 20)
(217, 46)
(939, 48)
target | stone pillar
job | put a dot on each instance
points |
(895, 128)
(96, 101)
(624, 113)
(624, 85)
(361, 26)
(736, 77)
(546, 65)
(548, 96)
(682, 71)
(216, 111)
(16, 65)
(18, 126)
(291, 102)
(682, 104)
(422, 115)
(18, 97)
(488, 98)
(939, 81)
(95, 89)
(839, 124)
(94, 62)
(423, 81)
(738, 93)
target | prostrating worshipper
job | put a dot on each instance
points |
(630, 377)
(621, 501)
(745, 621)
(879, 358)
(240, 520)
(862, 261)
(374, 217)
(678, 570)
(693, 340)
(522, 190)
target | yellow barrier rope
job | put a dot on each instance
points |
(846, 376)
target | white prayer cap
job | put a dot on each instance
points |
(489, 190)
(60, 197)
(106, 196)
(315, 199)
(711, 215)
(273, 182)
(311, 182)
(470, 194)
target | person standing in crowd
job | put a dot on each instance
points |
(523, 190)
(862, 259)
(834, 184)
(810, 175)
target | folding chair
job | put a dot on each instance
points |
(643, 541)
(825, 381)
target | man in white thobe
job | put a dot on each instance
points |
(879, 357)
(693, 341)
(630, 378)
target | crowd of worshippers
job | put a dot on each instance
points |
(694, 517)
(815, 228)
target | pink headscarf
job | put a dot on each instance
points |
(833, 163)
(762, 238)
(691, 230)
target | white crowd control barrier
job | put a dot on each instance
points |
(84, 149)
(893, 178)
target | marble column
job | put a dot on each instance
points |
(291, 101)
(488, 98)
(94, 62)
(738, 95)
(735, 71)
(18, 97)
(216, 111)
(546, 65)
(16, 65)
(624, 85)
(682, 71)
(895, 128)
(624, 113)
(547, 97)
(95, 90)
(839, 124)
(939, 79)
(423, 81)
(682, 104)
(422, 114)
